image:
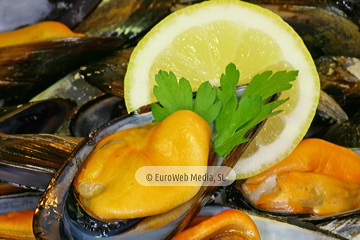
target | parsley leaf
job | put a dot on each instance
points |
(174, 96)
(207, 105)
(238, 117)
(267, 84)
(233, 117)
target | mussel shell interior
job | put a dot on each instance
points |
(24, 12)
(50, 220)
(90, 225)
(96, 112)
(36, 117)
(19, 201)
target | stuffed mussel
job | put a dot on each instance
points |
(318, 180)
(59, 202)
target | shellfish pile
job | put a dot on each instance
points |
(60, 97)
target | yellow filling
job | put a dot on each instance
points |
(106, 182)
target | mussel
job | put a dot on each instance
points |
(329, 110)
(59, 208)
(340, 78)
(23, 69)
(44, 116)
(319, 193)
(274, 227)
(126, 19)
(326, 27)
(30, 160)
(96, 112)
(72, 87)
(23, 13)
(52, 207)
(62, 202)
(16, 213)
(26, 70)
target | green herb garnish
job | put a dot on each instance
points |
(174, 95)
(232, 117)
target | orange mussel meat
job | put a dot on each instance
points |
(318, 177)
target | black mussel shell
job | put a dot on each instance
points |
(346, 134)
(30, 160)
(44, 116)
(236, 197)
(80, 219)
(339, 77)
(108, 73)
(52, 219)
(329, 110)
(26, 70)
(24, 12)
(126, 19)
(96, 112)
(71, 12)
(108, 78)
(327, 27)
(19, 201)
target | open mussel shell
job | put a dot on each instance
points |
(108, 78)
(6, 189)
(60, 213)
(30, 160)
(274, 228)
(108, 73)
(50, 221)
(95, 113)
(19, 201)
(235, 196)
(27, 69)
(44, 116)
(24, 13)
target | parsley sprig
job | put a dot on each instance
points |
(233, 117)
(174, 95)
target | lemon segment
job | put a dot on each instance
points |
(199, 41)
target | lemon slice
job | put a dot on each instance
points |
(197, 43)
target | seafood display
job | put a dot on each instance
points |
(62, 106)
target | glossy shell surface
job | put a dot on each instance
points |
(50, 221)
